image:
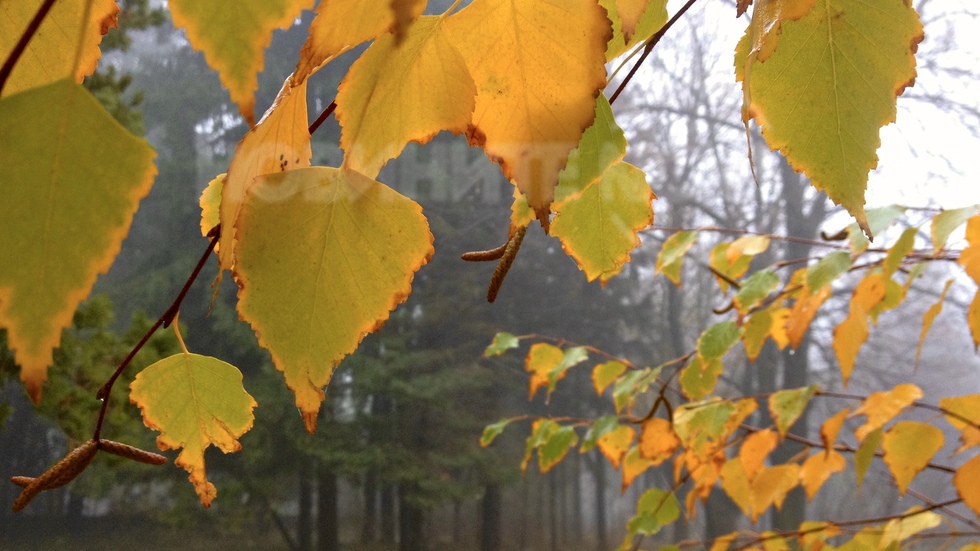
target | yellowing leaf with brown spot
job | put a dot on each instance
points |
(404, 12)
(397, 93)
(195, 402)
(322, 258)
(50, 55)
(881, 407)
(786, 406)
(630, 12)
(633, 466)
(340, 25)
(771, 486)
(822, 92)
(232, 36)
(817, 469)
(964, 414)
(658, 441)
(615, 444)
(538, 68)
(967, 483)
(279, 142)
(755, 450)
(72, 179)
(908, 447)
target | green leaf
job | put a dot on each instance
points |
(670, 259)
(698, 422)
(491, 432)
(822, 95)
(827, 269)
(72, 179)
(866, 454)
(599, 428)
(195, 402)
(698, 379)
(879, 220)
(598, 228)
(717, 340)
(570, 358)
(655, 509)
(602, 146)
(786, 406)
(323, 256)
(502, 342)
(946, 222)
(604, 374)
(556, 447)
(233, 37)
(632, 384)
(898, 251)
(755, 289)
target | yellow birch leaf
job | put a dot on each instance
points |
(538, 68)
(854, 59)
(813, 534)
(64, 34)
(747, 245)
(232, 36)
(400, 93)
(699, 378)
(908, 447)
(928, 318)
(803, 312)
(967, 483)
(194, 402)
(970, 260)
(604, 374)
(616, 443)
(771, 486)
(210, 203)
(541, 359)
(755, 450)
(778, 332)
(736, 484)
(732, 269)
(915, 520)
(279, 142)
(960, 410)
(852, 333)
(882, 407)
(311, 300)
(598, 228)
(658, 441)
(633, 466)
(340, 25)
(72, 179)
(817, 469)
(723, 543)
(973, 319)
(831, 427)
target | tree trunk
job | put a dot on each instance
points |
(490, 526)
(304, 523)
(411, 525)
(388, 514)
(369, 523)
(599, 471)
(328, 521)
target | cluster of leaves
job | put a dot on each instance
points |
(321, 255)
(710, 440)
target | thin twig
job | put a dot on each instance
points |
(649, 48)
(32, 27)
(164, 321)
(323, 116)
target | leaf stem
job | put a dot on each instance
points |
(164, 321)
(32, 27)
(323, 116)
(649, 48)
